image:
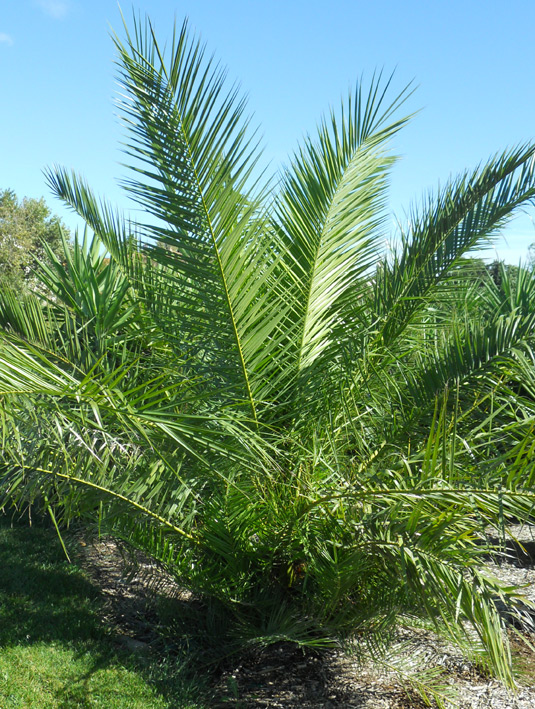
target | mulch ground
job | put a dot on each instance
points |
(285, 676)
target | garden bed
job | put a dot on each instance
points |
(285, 676)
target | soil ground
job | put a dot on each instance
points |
(285, 676)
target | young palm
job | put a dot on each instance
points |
(308, 431)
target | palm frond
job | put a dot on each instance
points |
(328, 219)
(26, 316)
(193, 163)
(466, 213)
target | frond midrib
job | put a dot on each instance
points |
(223, 277)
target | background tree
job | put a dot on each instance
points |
(25, 226)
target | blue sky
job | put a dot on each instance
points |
(470, 60)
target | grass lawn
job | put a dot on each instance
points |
(55, 652)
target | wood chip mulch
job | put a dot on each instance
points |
(284, 676)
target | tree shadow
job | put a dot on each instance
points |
(46, 599)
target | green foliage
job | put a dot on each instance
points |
(27, 231)
(312, 435)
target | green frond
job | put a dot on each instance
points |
(329, 219)
(26, 316)
(466, 213)
(190, 132)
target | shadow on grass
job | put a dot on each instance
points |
(78, 694)
(45, 600)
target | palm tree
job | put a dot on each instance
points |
(310, 432)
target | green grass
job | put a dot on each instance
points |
(55, 652)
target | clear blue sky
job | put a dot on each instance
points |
(471, 60)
